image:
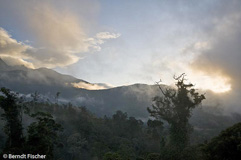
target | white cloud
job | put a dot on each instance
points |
(107, 35)
(12, 51)
(57, 30)
(13, 61)
(90, 86)
(100, 38)
(60, 40)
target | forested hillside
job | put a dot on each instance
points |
(76, 133)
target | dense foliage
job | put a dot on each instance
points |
(175, 106)
(86, 136)
(83, 136)
(227, 145)
(13, 127)
(41, 134)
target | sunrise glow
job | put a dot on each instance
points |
(216, 84)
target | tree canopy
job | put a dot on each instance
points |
(175, 106)
(227, 145)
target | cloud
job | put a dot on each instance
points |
(60, 39)
(107, 35)
(221, 60)
(10, 45)
(195, 48)
(16, 61)
(101, 38)
(90, 86)
(223, 56)
(58, 30)
(12, 51)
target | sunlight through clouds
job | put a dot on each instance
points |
(60, 40)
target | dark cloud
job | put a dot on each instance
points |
(223, 56)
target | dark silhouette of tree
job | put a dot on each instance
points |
(13, 127)
(76, 143)
(155, 127)
(42, 135)
(227, 145)
(175, 106)
(57, 97)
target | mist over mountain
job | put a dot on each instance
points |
(133, 99)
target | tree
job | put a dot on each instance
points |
(76, 143)
(13, 127)
(175, 106)
(35, 96)
(227, 145)
(42, 135)
(154, 128)
(112, 156)
(153, 156)
(57, 97)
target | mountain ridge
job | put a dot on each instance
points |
(132, 98)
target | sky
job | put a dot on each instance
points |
(126, 42)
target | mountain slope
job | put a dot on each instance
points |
(133, 99)
(3, 65)
(25, 80)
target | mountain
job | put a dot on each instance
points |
(43, 80)
(3, 65)
(133, 99)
